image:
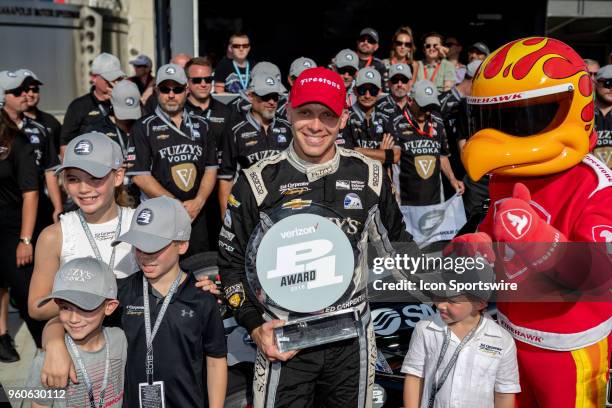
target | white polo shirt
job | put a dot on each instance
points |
(486, 364)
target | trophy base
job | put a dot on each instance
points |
(316, 330)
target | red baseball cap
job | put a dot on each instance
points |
(319, 85)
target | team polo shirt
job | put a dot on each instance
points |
(362, 132)
(388, 106)
(603, 127)
(218, 116)
(80, 114)
(177, 161)
(486, 364)
(54, 127)
(417, 177)
(45, 151)
(249, 142)
(190, 331)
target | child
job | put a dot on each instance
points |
(459, 357)
(184, 324)
(85, 291)
(92, 173)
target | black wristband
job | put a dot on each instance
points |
(388, 157)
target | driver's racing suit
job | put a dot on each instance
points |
(335, 374)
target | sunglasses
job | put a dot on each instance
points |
(606, 83)
(347, 70)
(243, 46)
(399, 78)
(175, 89)
(368, 39)
(17, 91)
(428, 46)
(198, 80)
(373, 90)
(34, 89)
(407, 44)
(269, 97)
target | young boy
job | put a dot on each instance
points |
(85, 291)
(182, 324)
(459, 357)
(190, 326)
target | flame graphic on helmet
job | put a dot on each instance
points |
(517, 74)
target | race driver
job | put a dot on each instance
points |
(311, 168)
(531, 112)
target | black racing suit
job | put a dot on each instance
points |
(335, 374)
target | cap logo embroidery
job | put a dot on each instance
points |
(270, 81)
(170, 71)
(429, 90)
(83, 148)
(349, 57)
(369, 74)
(307, 64)
(11, 74)
(76, 275)
(144, 217)
(130, 101)
(27, 73)
(399, 67)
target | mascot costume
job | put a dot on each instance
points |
(531, 113)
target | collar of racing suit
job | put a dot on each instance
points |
(313, 171)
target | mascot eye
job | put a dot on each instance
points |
(521, 118)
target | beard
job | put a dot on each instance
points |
(172, 107)
(399, 93)
(268, 114)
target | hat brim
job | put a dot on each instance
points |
(112, 75)
(279, 89)
(85, 301)
(122, 113)
(30, 80)
(428, 102)
(145, 242)
(95, 169)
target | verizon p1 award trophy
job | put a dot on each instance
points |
(300, 266)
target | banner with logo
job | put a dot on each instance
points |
(433, 223)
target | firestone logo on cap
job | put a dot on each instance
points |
(83, 148)
(321, 80)
(145, 217)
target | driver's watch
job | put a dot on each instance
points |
(26, 240)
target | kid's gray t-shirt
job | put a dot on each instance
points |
(76, 395)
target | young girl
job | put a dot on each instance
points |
(92, 172)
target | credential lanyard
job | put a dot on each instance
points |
(436, 385)
(433, 77)
(86, 379)
(150, 335)
(419, 131)
(160, 114)
(92, 241)
(121, 142)
(244, 83)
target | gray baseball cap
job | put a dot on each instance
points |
(400, 69)
(480, 47)
(142, 60)
(424, 93)
(125, 99)
(107, 66)
(156, 223)
(368, 75)
(347, 58)
(299, 65)
(171, 72)
(370, 32)
(604, 73)
(472, 67)
(267, 69)
(28, 76)
(84, 282)
(93, 152)
(262, 84)
(1, 97)
(10, 80)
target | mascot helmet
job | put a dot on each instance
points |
(531, 110)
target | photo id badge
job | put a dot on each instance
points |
(152, 395)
